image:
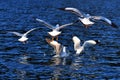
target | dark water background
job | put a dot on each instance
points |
(34, 60)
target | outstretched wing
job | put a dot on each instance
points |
(16, 33)
(89, 43)
(25, 34)
(45, 23)
(105, 20)
(69, 24)
(58, 49)
(55, 45)
(62, 26)
(73, 10)
(77, 42)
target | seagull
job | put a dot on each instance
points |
(55, 30)
(58, 48)
(23, 36)
(88, 20)
(78, 48)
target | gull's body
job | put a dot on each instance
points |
(78, 48)
(23, 39)
(55, 30)
(23, 36)
(58, 48)
(88, 20)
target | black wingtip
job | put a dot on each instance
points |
(97, 41)
(76, 21)
(33, 17)
(61, 9)
(114, 25)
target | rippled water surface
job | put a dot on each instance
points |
(34, 60)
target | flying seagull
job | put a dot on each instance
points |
(58, 48)
(55, 30)
(78, 48)
(23, 36)
(86, 19)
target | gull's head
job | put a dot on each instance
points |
(23, 39)
(76, 39)
(87, 15)
(57, 25)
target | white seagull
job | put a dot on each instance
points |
(55, 30)
(78, 48)
(58, 48)
(88, 20)
(23, 36)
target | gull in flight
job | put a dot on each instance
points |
(78, 48)
(55, 30)
(23, 36)
(58, 48)
(88, 20)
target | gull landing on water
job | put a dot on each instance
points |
(78, 48)
(58, 48)
(88, 20)
(55, 30)
(23, 36)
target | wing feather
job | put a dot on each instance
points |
(62, 26)
(102, 18)
(25, 34)
(105, 20)
(73, 10)
(16, 33)
(45, 23)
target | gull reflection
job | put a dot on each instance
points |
(21, 74)
(59, 61)
(77, 63)
(57, 73)
(24, 59)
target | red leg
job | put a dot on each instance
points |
(56, 38)
(52, 38)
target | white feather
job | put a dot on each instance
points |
(55, 30)
(78, 48)
(87, 19)
(23, 36)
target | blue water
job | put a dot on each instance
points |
(34, 60)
